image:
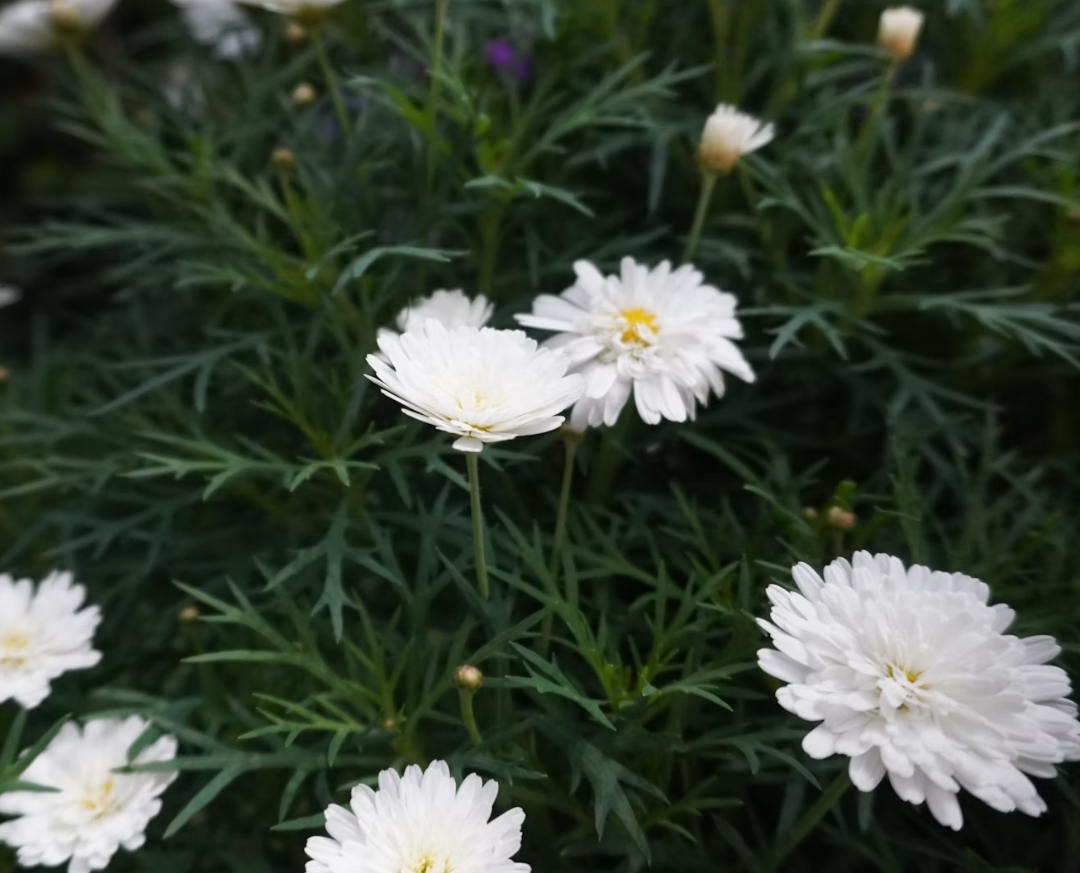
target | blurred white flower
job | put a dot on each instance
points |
(449, 308)
(729, 134)
(898, 31)
(33, 26)
(912, 675)
(93, 811)
(43, 634)
(480, 384)
(421, 822)
(660, 334)
(301, 10)
(221, 25)
(9, 295)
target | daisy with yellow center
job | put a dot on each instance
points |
(660, 334)
(419, 822)
(44, 632)
(92, 811)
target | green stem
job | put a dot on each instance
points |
(13, 738)
(708, 184)
(472, 461)
(490, 222)
(330, 77)
(810, 819)
(864, 146)
(571, 439)
(469, 716)
(719, 15)
(433, 87)
(824, 19)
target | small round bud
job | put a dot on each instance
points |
(188, 614)
(303, 96)
(809, 513)
(295, 33)
(389, 724)
(898, 31)
(1074, 213)
(284, 160)
(5, 374)
(66, 19)
(468, 678)
(840, 518)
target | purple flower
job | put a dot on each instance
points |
(500, 55)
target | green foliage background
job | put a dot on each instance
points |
(187, 403)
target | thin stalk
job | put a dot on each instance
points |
(572, 440)
(708, 184)
(332, 85)
(490, 231)
(720, 17)
(433, 87)
(810, 819)
(865, 143)
(469, 716)
(472, 461)
(824, 19)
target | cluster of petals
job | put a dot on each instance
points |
(479, 384)
(30, 27)
(730, 134)
(450, 308)
(44, 633)
(421, 822)
(93, 811)
(661, 335)
(911, 674)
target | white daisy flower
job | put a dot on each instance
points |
(660, 334)
(729, 134)
(43, 634)
(898, 31)
(93, 811)
(912, 675)
(221, 25)
(33, 26)
(449, 308)
(421, 822)
(480, 384)
(301, 10)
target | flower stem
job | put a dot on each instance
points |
(708, 184)
(810, 819)
(13, 738)
(433, 86)
(824, 19)
(468, 715)
(864, 144)
(472, 461)
(330, 77)
(571, 439)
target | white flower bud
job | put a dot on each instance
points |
(729, 134)
(898, 32)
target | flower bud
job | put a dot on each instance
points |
(5, 374)
(295, 34)
(66, 19)
(729, 134)
(303, 96)
(840, 519)
(284, 160)
(188, 614)
(1074, 213)
(809, 513)
(898, 32)
(468, 679)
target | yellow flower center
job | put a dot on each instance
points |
(13, 646)
(899, 673)
(636, 319)
(427, 862)
(100, 800)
